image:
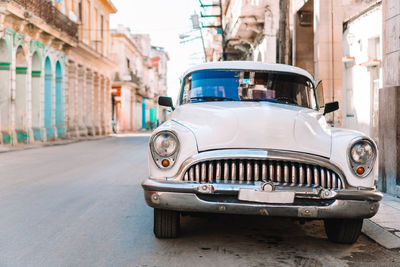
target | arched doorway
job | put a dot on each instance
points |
(5, 91)
(36, 95)
(48, 77)
(21, 100)
(59, 101)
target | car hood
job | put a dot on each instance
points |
(263, 125)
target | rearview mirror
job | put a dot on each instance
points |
(331, 107)
(166, 101)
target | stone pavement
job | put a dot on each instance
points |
(384, 227)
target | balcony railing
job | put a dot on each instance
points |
(50, 14)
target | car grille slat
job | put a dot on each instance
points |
(226, 171)
(301, 175)
(309, 177)
(264, 171)
(233, 171)
(218, 171)
(294, 174)
(191, 174)
(323, 182)
(203, 172)
(271, 171)
(210, 172)
(286, 173)
(316, 176)
(241, 171)
(251, 170)
(334, 184)
(279, 173)
(256, 172)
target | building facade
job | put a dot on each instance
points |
(55, 76)
(141, 76)
(89, 68)
(32, 67)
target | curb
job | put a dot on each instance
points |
(380, 235)
(5, 149)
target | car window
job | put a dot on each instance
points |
(221, 85)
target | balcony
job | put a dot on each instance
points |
(50, 14)
(247, 21)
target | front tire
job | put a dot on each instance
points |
(166, 223)
(345, 231)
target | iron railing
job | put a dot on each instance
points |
(50, 14)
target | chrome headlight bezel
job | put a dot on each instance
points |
(369, 165)
(170, 157)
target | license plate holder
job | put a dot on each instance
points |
(274, 197)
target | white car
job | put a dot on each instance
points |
(251, 138)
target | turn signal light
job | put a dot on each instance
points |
(165, 163)
(360, 170)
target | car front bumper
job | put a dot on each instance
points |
(314, 203)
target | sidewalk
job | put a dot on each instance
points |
(38, 144)
(384, 227)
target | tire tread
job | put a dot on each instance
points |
(345, 231)
(166, 223)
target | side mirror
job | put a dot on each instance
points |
(166, 101)
(320, 94)
(331, 107)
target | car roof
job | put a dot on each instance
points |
(249, 65)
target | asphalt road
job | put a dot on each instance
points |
(82, 205)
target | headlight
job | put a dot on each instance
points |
(165, 144)
(164, 147)
(362, 154)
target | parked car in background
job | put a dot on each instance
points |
(251, 138)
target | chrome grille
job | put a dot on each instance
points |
(248, 171)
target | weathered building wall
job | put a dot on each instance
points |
(89, 70)
(389, 101)
(137, 81)
(32, 94)
(362, 71)
(53, 85)
(303, 40)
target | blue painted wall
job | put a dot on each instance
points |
(143, 113)
(59, 101)
(47, 98)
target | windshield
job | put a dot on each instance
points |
(240, 85)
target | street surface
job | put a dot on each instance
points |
(82, 205)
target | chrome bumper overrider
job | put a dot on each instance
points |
(313, 202)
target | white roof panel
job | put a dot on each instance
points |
(249, 65)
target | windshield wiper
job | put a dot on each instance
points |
(212, 98)
(260, 99)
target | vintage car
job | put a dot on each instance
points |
(252, 138)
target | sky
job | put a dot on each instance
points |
(164, 21)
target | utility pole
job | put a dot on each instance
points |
(284, 34)
(220, 26)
